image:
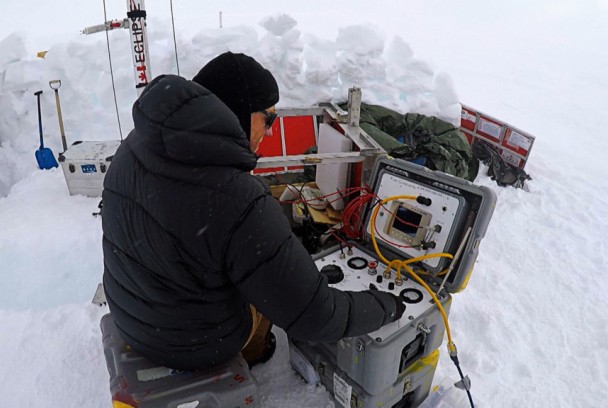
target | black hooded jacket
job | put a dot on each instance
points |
(191, 239)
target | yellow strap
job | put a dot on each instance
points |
(118, 404)
(257, 318)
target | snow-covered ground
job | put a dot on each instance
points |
(532, 325)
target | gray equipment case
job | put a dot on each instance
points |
(85, 164)
(394, 366)
(139, 383)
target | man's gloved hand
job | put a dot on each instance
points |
(399, 304)
(400, 307)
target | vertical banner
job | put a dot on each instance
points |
(136, 14)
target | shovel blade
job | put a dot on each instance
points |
(45, 158)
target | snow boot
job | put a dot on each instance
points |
(262, 345)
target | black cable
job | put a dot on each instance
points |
(174, 40)
(105, 18)
(466, 388)
(342, 236)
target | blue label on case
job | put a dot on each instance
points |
(89, 168)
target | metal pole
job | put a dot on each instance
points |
(454, 260)
(220, 19)
(354, 106)
(174, 39)
(136, 14)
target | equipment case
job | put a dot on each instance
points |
(394, 366)
(136, 382)
(85, 165)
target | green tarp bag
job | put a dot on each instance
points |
(426, 140)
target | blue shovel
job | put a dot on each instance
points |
(44, 155)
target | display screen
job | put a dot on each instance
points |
(407, 221)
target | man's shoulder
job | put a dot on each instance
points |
(248, 186)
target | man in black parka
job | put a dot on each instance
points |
(192, 239)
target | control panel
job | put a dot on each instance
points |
(429, 224)
(358, 270)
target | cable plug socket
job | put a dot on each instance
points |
(424, 201)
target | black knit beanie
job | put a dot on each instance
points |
(241, 83)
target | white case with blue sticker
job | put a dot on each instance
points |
(85, 164)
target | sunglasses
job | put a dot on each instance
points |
(270, 117)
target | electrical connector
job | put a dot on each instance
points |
(452, 349)
(424, 200)
(465, 382)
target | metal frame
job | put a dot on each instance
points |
(348, 122)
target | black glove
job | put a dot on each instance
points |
(385, 298)
(400, 308)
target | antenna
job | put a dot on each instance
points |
(174, 39)
(107, 27)
(136, 15)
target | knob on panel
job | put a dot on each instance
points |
(333, 273)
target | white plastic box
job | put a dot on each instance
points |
(85, 164)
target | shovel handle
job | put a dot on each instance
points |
(55, 85)
(39, 118)
(56, 82)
